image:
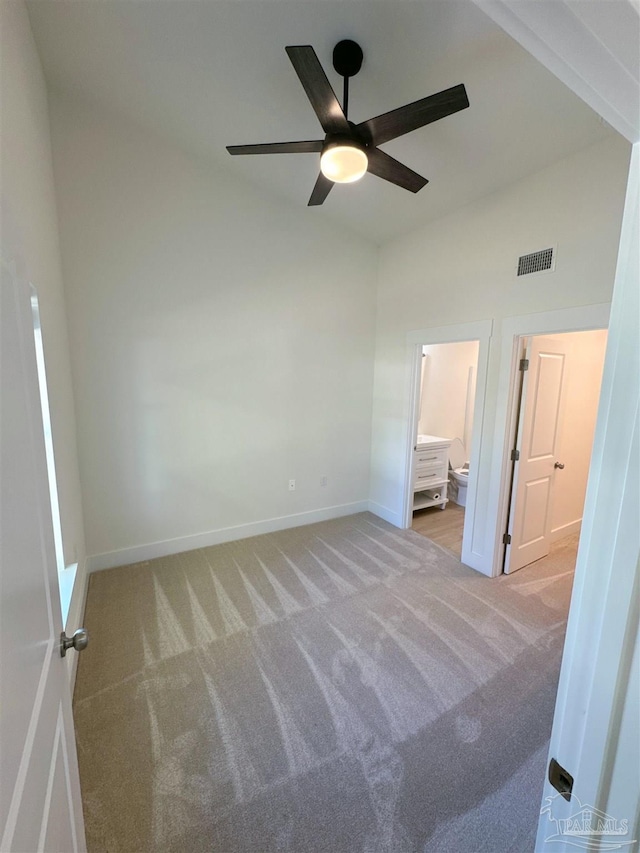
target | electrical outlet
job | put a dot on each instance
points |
(323, 482)
(292, 485)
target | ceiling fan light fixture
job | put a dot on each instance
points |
(343, 162)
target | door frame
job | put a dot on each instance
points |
(459, 333)
(513, 329)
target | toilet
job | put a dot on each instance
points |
(458, 472)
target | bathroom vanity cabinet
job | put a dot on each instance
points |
(430, 471)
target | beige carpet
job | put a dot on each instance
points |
(344, 686)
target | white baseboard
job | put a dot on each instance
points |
(140, 553)
(386, 514)
(566, 530)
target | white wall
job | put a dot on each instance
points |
(222, 344)
(449, 374)
(30, 240)
(462, 269)
(585, 361)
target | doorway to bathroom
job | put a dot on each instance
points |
(557, 389)
(445, 419)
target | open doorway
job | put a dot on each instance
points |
(554, 415)
(445, 420)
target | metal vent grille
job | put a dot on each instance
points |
(535, 262)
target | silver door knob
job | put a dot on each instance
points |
(559, 465)
(78, 642)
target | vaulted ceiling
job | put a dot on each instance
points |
(208, 74)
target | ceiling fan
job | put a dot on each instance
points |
(349, 150)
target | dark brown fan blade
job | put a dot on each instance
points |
(412, 116)
(386, 167)
(318, 89)
(278, 148)
(320, 191)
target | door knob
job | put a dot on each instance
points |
(559, 465)
(78, 641)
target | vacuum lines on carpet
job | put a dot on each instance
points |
(341, 687)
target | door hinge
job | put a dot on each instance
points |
(515, 455)
(506, 539)
(561, 780)
(524, 364)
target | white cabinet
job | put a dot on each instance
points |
(430, 471)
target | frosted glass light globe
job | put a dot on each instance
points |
(343, 164)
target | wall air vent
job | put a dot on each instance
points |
(542, 261)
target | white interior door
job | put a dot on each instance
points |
(40, 806)
(538, 440)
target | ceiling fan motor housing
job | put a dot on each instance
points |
(354, 139)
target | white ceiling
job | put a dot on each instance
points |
(209, 74)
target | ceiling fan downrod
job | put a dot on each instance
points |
(347, 61)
